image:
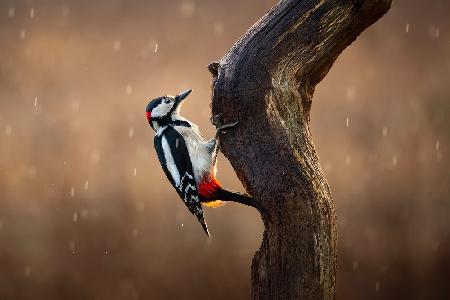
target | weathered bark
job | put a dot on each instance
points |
(266, 81)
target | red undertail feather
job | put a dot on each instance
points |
(207, 189)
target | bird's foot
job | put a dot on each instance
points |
(220, 128)
(217, 120)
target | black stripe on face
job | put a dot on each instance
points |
(154, 103)
(162, 108)
(180, 123)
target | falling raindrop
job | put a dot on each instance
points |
(385, 131)
(437, 145)
(75, 106)
(28, 271)
(130, 132)
(347, 121)
(218, 28)
(8, 130)
(86, 185)
(156, 47)
(348, 159)
(134, 172)
(31, 13)
(65, 10)
(35, 101)
(187, 9)
(72, 192)
(23, 34)
(128, 89)
(72, 246)
(75, 217)
(407, 28)
(394, 161)
(117, 44)
(11, 12)
(434, 31)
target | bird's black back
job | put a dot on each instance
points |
(187, 187)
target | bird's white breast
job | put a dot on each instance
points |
(198, 151)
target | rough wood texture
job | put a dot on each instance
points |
(266, 81)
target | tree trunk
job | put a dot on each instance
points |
(266, 81)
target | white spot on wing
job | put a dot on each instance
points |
(190, 186)
(171, 166)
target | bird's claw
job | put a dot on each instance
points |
(216, 120)
(226, 126)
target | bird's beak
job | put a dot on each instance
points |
(181, 96)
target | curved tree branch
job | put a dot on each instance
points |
(266, 81)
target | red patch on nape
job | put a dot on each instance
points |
(148, 115)
(208, 187)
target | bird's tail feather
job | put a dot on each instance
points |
(226, 195)
(201, 219)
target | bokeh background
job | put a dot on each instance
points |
(86, 212)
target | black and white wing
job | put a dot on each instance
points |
(175, 161)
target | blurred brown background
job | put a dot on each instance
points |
(86, 212)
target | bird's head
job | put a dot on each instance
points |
(165, 109)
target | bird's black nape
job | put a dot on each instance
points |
(154, 103)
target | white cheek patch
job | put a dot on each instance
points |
(162, 109)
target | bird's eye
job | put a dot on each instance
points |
(166, 101)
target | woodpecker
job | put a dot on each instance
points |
(188, 160)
